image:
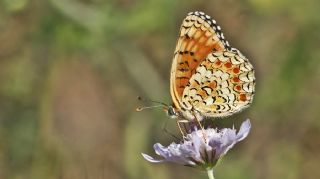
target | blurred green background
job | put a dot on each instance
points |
(71, 70)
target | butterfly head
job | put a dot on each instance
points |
(172, 112)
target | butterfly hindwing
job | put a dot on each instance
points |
(223, 84)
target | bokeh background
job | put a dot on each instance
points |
(70, 71)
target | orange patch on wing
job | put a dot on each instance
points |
(217, 47)
(236, 70)
(243, 97)
(182, 80)
(203, 52)
(235, 79)
(213, 85)
(228, 64)
(218, 62)
(202, 93)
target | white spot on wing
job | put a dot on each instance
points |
(201, 70)
(209, 100)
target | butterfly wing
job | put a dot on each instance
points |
(223, 84)
(199, 36)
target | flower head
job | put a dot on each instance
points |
(201, 149)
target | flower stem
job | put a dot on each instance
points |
(210, 173)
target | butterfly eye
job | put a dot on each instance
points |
(171, 112)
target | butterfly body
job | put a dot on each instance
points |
(208, 77)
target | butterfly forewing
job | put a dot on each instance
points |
(223, 84)
(199, 36)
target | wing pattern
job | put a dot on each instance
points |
(208, 77)
(222, 85)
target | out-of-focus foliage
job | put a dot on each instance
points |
(70, 71)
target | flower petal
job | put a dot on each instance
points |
(151, 159)
(228, 138)
(244, 130)
(161, 150)
(197, 143)
(173, 153)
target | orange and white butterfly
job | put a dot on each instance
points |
(208, 77)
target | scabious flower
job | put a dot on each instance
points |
(201, 149)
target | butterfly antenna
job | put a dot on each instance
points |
(138, 109)
(160, 104)
(153, 101)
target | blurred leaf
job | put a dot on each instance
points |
(15, 5)
(88, 16)
(284, 162)
(233, 167)
(20, 76)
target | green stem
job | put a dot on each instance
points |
(210, 173)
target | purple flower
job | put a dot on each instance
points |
(201, 149)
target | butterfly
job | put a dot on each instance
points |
(209, 78)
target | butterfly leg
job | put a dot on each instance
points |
(181, 131)
(201, 126)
